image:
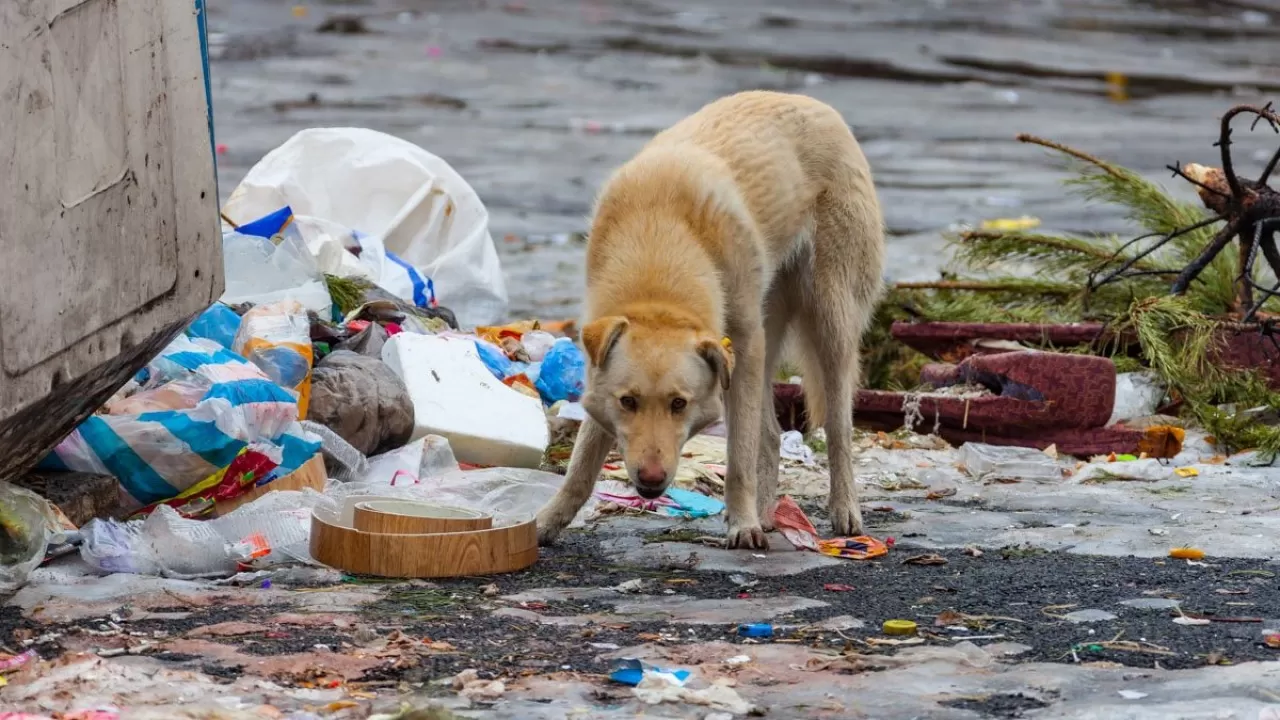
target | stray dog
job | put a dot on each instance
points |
(751, 222)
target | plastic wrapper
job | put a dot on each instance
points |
(1138, 394)
(993, 463)
(419, 460)
(25, 519)
(277, 338)
(341, 461)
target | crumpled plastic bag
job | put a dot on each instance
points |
(409, 207)
(261, 272)
(362, 400)
(274, 529)
(25, 518)
(277, 338)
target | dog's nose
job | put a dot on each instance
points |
(650, 478)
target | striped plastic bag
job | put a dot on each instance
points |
(160, 454)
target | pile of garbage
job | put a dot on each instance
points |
(335, 363)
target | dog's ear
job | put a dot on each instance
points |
(600, 335)
(719, 355)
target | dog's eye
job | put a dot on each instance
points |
(678, 404)
(628, 403)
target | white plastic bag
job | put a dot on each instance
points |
(403, 198)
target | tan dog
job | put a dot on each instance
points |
(753, 218)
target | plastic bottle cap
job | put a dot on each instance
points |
(899, 627)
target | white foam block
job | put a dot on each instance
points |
(455, 395)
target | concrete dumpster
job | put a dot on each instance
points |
(109, 233)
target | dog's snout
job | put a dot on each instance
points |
(653, 474)
(651, 480)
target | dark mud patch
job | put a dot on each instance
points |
(1010, 705)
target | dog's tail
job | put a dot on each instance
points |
(805, 356)
(815, 393)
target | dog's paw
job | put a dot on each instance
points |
(549, 529)
(846, 520)
(747, 538)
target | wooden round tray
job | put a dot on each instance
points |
(394, 537)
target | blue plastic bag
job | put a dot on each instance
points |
(219, 323)
(564, 373)
(494, 359)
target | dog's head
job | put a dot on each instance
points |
(653, 388)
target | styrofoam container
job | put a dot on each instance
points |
(455, 395)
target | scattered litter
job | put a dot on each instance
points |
(1186, 553)
(996, 463)
(939, 494)
(737, 660)
(469, 685)
(1152, 603)
(1088, 616)
(1186, 472)
(796, 527)
(794, 448)
(1138, 395)
(657, 688)
(926, 559)
(630, 586)
(1132, 694)
(675, 502)
(630, 671)
(1271, 638)
(899, 627)
(1025, 222)
(755, 630)
(972, 551)
(838, 587)
(1184, 620)
(9, 663)
(894, 642)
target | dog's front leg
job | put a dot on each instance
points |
(589, 452)
(745, 397)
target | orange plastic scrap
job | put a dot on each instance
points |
(1186, 553)
(521, 383)
(862, 547)
(495, 333)
(1162, 441)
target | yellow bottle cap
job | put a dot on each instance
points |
(899, 627)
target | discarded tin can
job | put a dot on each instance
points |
(899, 627)
(756, 630)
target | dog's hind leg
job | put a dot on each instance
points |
(845, 287)
(590, 450)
